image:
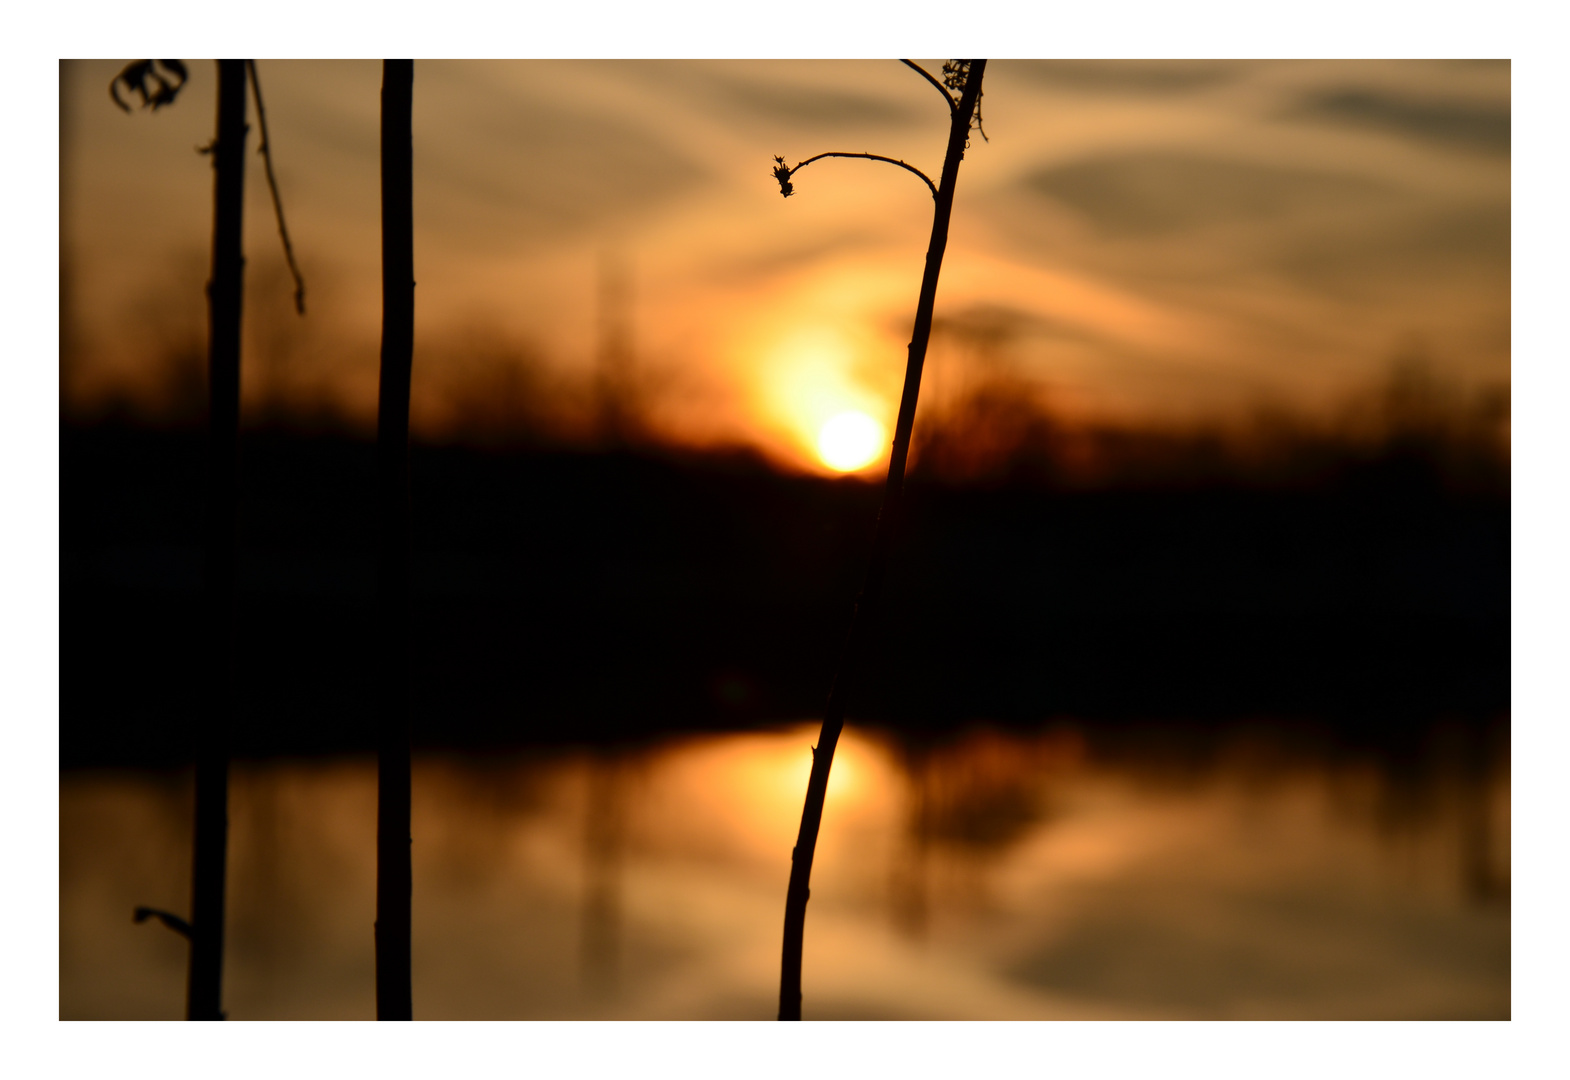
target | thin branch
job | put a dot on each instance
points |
(172, 921)
(785, 179)
(926, 75)
(266, 150)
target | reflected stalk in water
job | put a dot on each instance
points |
(1060, 877)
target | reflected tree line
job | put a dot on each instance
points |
(966, 811)
(968, 799)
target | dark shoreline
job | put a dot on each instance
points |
(634, 595)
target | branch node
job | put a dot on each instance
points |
(169, 919)
(952, 102)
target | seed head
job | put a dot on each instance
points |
(142, 77)
(956, 73)
(782, 174)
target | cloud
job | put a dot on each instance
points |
(506, 166)
(1175, 230)
(790, 257)
(1160, 192)
(1127, 77)
(797, 105)
(1471, 242)
(1475, 126)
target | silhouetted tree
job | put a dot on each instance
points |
(961, 77)
(394, 884)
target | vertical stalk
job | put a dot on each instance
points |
(224, 291)
(394, 993)
(834, 712)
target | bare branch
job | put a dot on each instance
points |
(266, 150)
(785, 179)
(925, 75)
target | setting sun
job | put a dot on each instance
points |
(849, 441)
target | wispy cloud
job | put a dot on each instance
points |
(1465, 125)
(1164, 192)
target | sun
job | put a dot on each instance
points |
(850, 440)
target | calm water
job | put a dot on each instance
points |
(999, 877)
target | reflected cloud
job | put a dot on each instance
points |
(608, 804)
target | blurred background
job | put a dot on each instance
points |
(1191, 695)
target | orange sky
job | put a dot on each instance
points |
(1159, 240)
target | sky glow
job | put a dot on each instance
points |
(1158, 242)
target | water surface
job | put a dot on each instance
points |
(992, 876)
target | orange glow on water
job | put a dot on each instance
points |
(993, 876)
(744, 793)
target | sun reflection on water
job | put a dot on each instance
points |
(991, 875)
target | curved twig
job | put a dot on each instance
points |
(785, 179)
(928, 76)
(266, 150)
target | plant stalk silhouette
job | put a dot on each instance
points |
(151, 81)
(209, 856)
(963, 76)
(224, 297)
(394, 878)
